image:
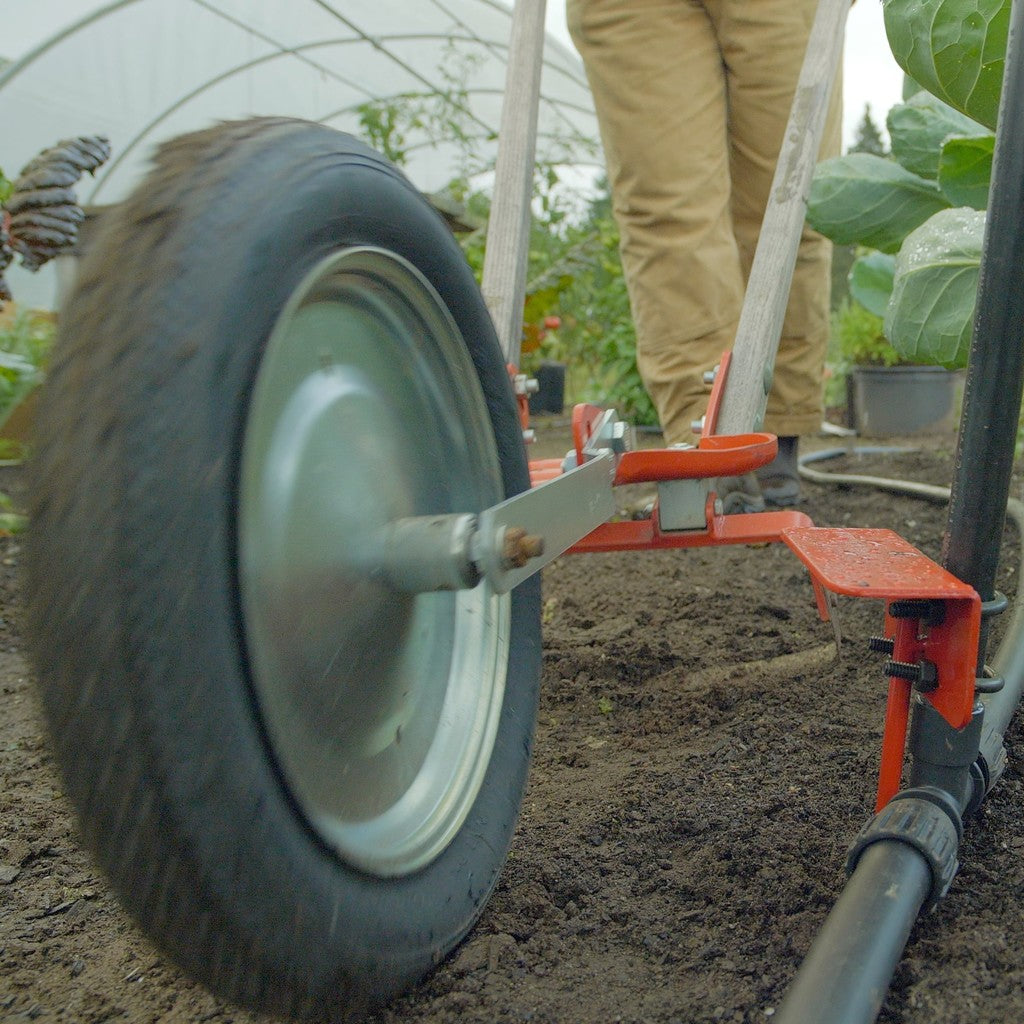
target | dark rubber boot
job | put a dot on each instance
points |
(740, 494)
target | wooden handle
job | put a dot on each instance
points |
(504, 276)
(771, 274)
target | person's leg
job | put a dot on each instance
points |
(763, 45)
(656, 74)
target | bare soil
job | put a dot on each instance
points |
(703, 759)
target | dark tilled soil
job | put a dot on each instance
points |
(703, 759)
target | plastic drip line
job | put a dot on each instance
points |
(930, 492)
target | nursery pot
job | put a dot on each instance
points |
(550, 394)
(901, 400)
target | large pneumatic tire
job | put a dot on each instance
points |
(301, 780)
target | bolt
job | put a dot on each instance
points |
(881, 644)
(931, 612)
(697, 426)
(710, 375)
(518, 547)
(923, 674)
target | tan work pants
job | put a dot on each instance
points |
(692, 98)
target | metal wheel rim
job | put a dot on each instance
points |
(381, 708)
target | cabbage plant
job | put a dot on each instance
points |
(921, 210)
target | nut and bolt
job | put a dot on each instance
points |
(932, 613)
(518, 547)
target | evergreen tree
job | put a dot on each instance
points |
(869, 137)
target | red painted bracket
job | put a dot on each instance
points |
(522, 398)
(859, 563)
(714, 456)
(881, 564)
(645, 535)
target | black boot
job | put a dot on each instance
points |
(740, 494)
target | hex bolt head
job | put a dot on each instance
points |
(697, 426)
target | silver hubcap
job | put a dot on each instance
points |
(381, 706)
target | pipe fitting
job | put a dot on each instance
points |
(920, 822)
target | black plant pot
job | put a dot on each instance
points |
(902, 400)
(550, 394)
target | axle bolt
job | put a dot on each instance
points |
(923, 674)
(519, 547)
(881, 644)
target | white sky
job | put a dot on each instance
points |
(870, 73)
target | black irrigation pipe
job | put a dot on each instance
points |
(891, 882)
(850, 964)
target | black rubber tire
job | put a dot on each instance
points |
(133, 597)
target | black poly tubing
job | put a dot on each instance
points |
(862, 940)
(995, 369)
(846, 974)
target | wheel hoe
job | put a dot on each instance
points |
(292, 682)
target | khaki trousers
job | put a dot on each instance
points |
(692, 99)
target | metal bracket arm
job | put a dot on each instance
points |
(504, 544)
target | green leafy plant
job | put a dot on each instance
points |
(859, 339)
(24, 349)
(953, 48)
(577, 308)
(922, 208)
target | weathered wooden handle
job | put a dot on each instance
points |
(771, 274)
(504, 276)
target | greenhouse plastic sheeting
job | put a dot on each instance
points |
(141, 71)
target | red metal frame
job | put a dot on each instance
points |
(881, 564)
(876, 564)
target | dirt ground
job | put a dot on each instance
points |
(702, 761)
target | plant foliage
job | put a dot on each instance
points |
(857, 333)
(918, 129)
(25, 344)
(953, 48)
(942, 154)
(930, 315)
(871, 281)
(868, 200)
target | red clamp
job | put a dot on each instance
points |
(932, 625)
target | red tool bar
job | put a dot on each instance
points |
(714, 455)
(859, 563)
(644, 534)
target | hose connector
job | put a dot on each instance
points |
(922, 820)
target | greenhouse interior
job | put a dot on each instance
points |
(423, 81)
